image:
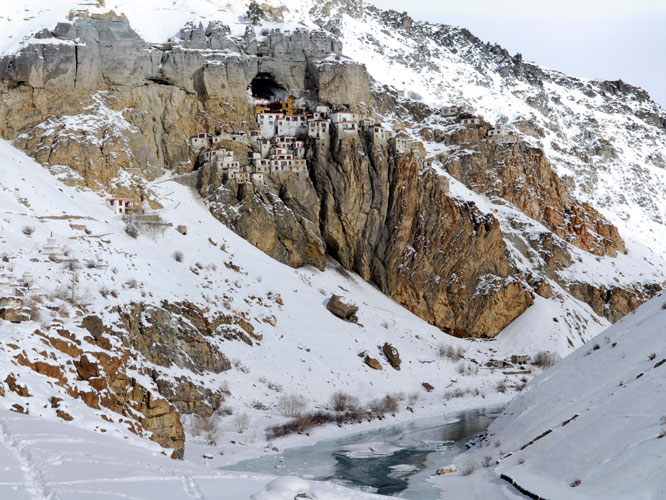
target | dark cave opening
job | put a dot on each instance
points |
(264, 86)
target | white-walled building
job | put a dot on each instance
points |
(292, 125)
(345, 128)
(319, 129)
(121, 206)
(267, 124)
(200, 141)
(379, 133)
(469, 122)
(502, 135)
(343, 116)
(451, 110)
(400, 142)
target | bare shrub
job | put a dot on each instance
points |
(131, 229)
(663, 306)
(274, 386)
(487, 460)
(178, 256)
(381, 406)
(521, 460)
(467, 369)
(545, 359)
(449, 352)
(651, 356)
(662, 420)
(454, 393)
(292, 405)
(468, 467)
(413, 398)
(575, 482)
(132, 283)
(224, 411)
(341, 401)
(207, 428)
(28, 230)
(501, 386)
(258, 405)
(242, 422)
(497, 443)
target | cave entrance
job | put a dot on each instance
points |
(264, 86)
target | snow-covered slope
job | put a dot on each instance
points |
(54, 460)
(303, 349)
(593, 425)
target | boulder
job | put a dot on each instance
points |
(392, 355)
(372, 363)
(341, 310)
(427, 386)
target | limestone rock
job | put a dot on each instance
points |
(343, 311)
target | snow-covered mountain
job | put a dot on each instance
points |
(131, 328)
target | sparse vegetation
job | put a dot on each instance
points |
(341, 401)
(447, 351)
(258, 405)
(468, 467)
(131, 229)
(292, 405)
(545, 359)
(132, 283)
(381, 406)
(242, 422)
(306, 422)
(467, 369)
(207, 428)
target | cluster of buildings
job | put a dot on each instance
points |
(280, 154)
(278, 145)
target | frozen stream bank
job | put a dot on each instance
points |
(396, 460)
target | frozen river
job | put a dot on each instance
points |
(395, 460)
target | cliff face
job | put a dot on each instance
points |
(522, 175)
(103, 108)
(379, 215)
(109, 119)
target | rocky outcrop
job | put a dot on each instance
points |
(613, 303)
(522, 176)
(96, 51)
(177, 335)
